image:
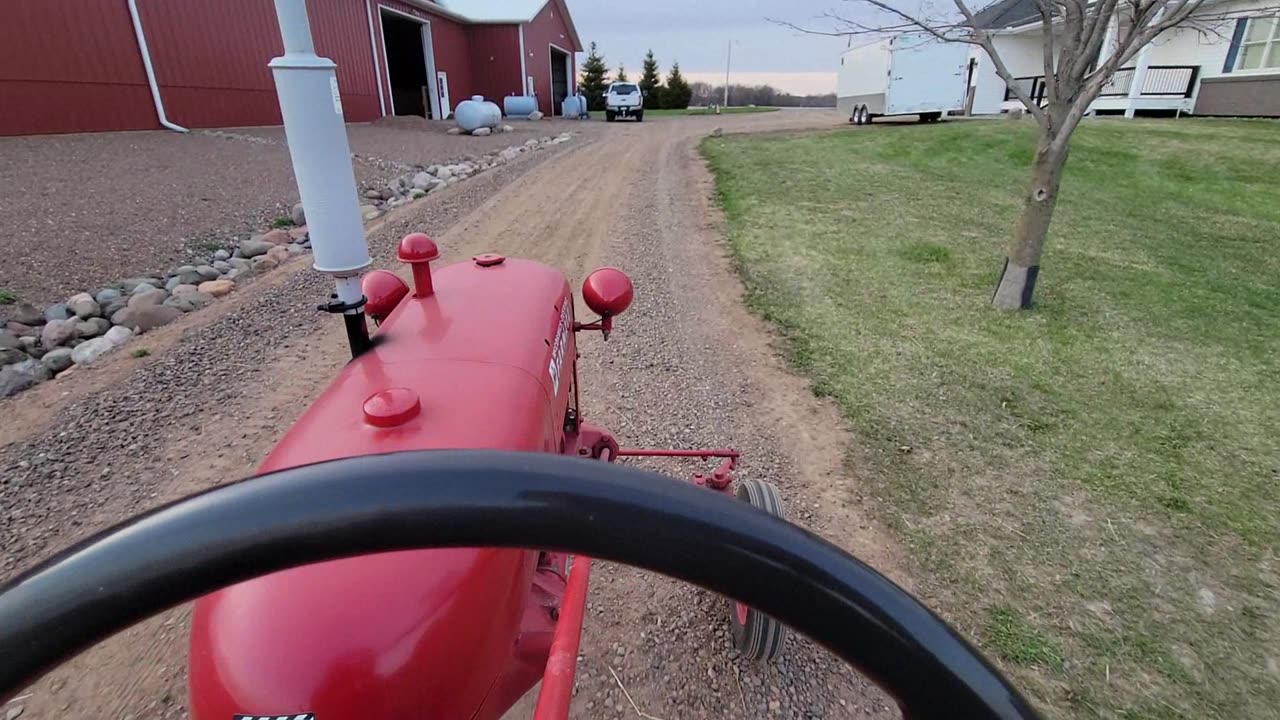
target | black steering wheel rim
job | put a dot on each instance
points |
(428, 499)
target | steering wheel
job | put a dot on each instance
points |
(434, 499)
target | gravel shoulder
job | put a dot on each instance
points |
(686, 366)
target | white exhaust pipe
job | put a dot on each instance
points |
(307, 86)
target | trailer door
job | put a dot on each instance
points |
(926, 75)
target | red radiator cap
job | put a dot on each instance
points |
(391, 407)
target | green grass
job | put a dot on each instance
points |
(7, 297)
(282, 222)
(140, 353)
(1093, 488)
(709, 111)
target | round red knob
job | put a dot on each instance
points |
(417, 247)
(391, 407)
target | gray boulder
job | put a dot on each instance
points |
(57, 311)
(20, 376)
(182, 290)
(19, 329)
(425, 181)
(173, 282)
(93, 327)
(119, 335)
(482, 131)
(186, 275)
(222, 266)
(58, 360)
(144, 289)
(264, 263)
(106, 295)
(207, 272)
(9, 341)
(27, 314)
(298, 214)
(87, 352)
(253, 248)
(83, 306)
(150, 318)
(58, 332)
(114, 306)
(10, 356)
(239, 264)
(130, 284)
(373, 194)
(189, 302)
(295, 250)
(221, 255)
(147, 299)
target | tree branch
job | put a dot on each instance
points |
(983, 40)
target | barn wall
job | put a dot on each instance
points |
(547, 29)
(495, 61)
(450, 47)
(86, 75)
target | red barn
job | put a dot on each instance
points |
(95, 65)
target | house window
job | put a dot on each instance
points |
(1260, 46)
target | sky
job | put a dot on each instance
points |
(697, 33)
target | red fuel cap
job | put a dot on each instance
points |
(488, 259)
(392, 407)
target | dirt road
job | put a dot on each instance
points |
(686, 366)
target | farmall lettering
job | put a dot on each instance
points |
(557, 347)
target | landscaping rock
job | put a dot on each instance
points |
(239, 264)
(58, 332)
(83, 306)
(122, 317)
(263, 263)
(222, 266)
(119, 335)
(57, 311)
(9, 341)
(31, 346)
(454, 131)
(27, 314)
(144, 289)
(295, 250)
(509, 154)
(237, 274)
(253, 248)
(20, 376)
(19, 329)
(531, 143)
(507, 129)
(172, 283)
(131, 284)
(186, 275)
(106, 295)
(90, 351)
(444, 172)
(424, 181)
(482, 132)
(93, 327)
(10, 356)
(369, 212)
(417, 193)
(146, 299)
(150, 318)
(207, 272)
(535, 115)
(373, 194)
(183, 289)
(298, 214)
(279, 253)
(217, 288)
(275, 237)
(189, 302)
(222, 255)
(299, 233)
(388, 193)
(58, 360)
(115, 306)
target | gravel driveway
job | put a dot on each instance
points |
(687, 366)
(83, 210)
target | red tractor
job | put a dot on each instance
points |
(418, 544)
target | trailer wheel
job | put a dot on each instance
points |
(930, 117)
(756, 635)
(866, 116)
(856, 117)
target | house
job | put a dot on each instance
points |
(1226, 66)
(96, 65)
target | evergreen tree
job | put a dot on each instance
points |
(677, 93)
(622, 74)
(650, 84)
(592, 82)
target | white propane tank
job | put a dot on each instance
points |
(477, 113)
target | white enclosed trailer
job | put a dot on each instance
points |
(908, 74)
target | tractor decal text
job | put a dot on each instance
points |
(294, 716)
(557, 349)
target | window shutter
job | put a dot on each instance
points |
(1230, 63)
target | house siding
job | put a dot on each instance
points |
(546, 29)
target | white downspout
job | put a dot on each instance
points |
(151, 73)
(377, 71)
(524, 75)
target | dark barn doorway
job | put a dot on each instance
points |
(406, 66)
(559, 80)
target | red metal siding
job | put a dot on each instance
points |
(85, 75)
(210, 58)
(545, 30)
(450, 47)
(495, 61)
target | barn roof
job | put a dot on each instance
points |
(503, 12)
(1007, 14)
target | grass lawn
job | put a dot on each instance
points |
(709, 111)
(1091, 488)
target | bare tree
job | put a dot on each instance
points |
(1085, 42)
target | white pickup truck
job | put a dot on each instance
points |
(623, 99)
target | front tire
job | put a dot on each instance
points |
(640, 116)
(756, 635)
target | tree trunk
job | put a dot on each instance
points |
(1022, 265)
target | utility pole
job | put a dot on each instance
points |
(728, 57)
